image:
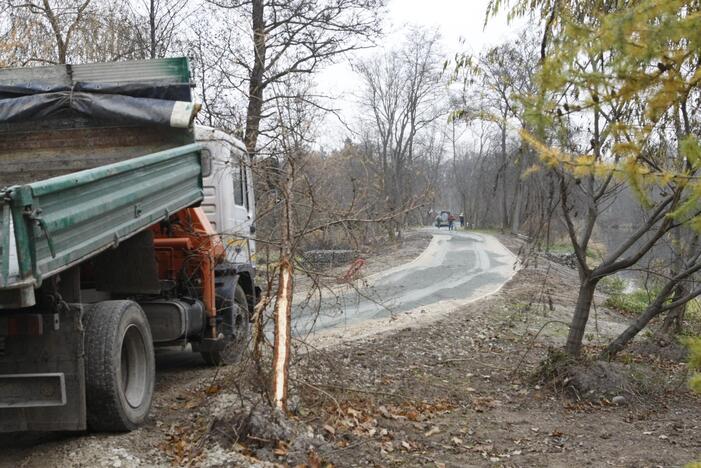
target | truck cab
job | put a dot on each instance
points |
(229, 201)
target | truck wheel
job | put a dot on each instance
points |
(235, 334)
(120, 367)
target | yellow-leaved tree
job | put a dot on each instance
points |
(618, 105)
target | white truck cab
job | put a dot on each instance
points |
(229, 201)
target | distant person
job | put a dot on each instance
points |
(451, 220)
(462, 220)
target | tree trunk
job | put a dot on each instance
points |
(283, 334)
(61, 45)
(504, 201)
(585, 298)
(257, 83)
(283, 302)
(516, 215)
(253, 116)
(152, 28)
(504, 206)
(672, 324)
(634, 328)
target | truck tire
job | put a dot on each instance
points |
(237, 334)
(120, 367)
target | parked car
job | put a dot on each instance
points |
(442, 219)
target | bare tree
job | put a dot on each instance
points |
(402, 95)
(89, 30)
(157, 23)
(295, 37)
(59, 19)
(495, 85)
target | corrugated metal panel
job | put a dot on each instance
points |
(55, 74)
(81, 214)
(167, 70)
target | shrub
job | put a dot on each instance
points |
(694, 345)
(612, 285)
(633, 302)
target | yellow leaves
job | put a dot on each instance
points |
(583, 165)
(633, 64)
(530, 170)
(635, 176)
(627, 149)
(628, 168)
(668, 92)
(696, 78)
(695, 384)
(551, 157)
(695, 223)
(666, 178)
(694, 345)
(691, 150)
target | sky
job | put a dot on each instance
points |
(461, 25)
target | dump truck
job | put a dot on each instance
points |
(124, 228)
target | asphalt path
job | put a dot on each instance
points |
(456, 268)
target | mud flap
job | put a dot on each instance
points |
(42, 376)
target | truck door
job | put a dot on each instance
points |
(243, 210)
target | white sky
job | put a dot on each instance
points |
(461, 25)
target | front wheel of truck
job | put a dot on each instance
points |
(234, 328)
(120, 366)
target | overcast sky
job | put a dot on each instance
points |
(461, 25)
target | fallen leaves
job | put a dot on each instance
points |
(281, 449)
(330, 429)
(483, 404)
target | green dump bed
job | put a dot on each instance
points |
(89, 156)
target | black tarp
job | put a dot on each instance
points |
(132, 103)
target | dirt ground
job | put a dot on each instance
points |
(455, 388)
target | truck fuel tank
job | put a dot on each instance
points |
(173, 320)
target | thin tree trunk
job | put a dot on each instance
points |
(634, 328)
(152, 28)
(61, 45)
(585, 298)
(283, 303)
(672, 324)
(516, 215)
(253, 115)
(257, 83)
(283, 332)
(504, 201)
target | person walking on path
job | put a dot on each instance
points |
(451, 220)
(462, 220)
